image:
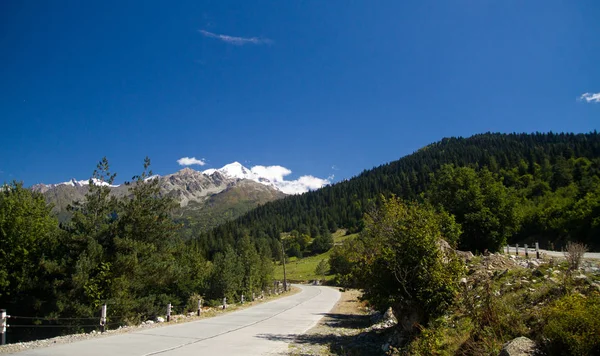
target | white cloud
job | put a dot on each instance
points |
(239, 41)
(301, 185)
(187, 161)
(272, 173)
(277, 174)
(590, 97)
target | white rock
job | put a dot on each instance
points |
(160, 319)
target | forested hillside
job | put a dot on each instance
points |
(549, 181)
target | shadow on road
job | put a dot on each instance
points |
(347, 321)
(341, 333)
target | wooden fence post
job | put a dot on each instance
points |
(537, 250)
(526, 252)
(517, 247)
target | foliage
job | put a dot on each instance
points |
(482, 205)
(321, 269)
(125, 252)
(529, 170)
(28, 236)
(572, 326)
(402, 264)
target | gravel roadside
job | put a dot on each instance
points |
(345, 330)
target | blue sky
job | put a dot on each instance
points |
(319, 87)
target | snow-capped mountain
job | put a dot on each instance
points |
(209, 198)
(237, 170)
(273, 176)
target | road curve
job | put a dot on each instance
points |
(264, 329)
(531, 251)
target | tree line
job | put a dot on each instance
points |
(510, 187)
(124, 252)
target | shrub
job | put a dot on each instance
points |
(402, 264)
(574, 254)
(572, 325)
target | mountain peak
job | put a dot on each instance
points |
(234, 170)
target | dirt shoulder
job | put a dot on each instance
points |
(344, 330)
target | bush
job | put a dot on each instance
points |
(572, 325)
(574, 254)
(402, 264)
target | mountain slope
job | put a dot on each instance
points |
(344, 204)
(204, 199)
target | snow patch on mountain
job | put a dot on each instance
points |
(273, 176)
(80, 183)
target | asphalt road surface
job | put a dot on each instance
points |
(531, 251)
(264, 329)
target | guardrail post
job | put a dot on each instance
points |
(168, 312)
(537, 250)
(526, 252)
(3, 325)
(103, 319)
(199, 306)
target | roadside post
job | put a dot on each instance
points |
(3, 325)
(168, 312)
(537, 250)
(526, 252)
(199, 306)
(103, 319)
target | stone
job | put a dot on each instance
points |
(160, 319)
(149, 322)
(465, 255)
(463, 281)
(581, 276)
(533, 264)
(389, 316)
(538, 273)
(520, 346)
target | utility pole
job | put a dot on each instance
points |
(283, 262)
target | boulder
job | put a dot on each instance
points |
(389, 316)
(520, 346)
(465, 255)
(160, 319)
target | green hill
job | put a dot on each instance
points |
(549, 173)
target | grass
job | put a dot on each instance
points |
(303, 269)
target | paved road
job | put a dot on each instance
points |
(592, 255)
(260, 330)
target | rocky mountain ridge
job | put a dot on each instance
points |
(196, 192)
